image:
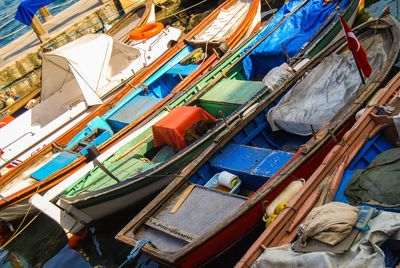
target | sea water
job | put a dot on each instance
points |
(11, 29)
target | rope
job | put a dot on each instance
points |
(183, 10)
(270, 8)
(17, 232)
(134, 252)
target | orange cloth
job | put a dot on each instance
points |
(171, 129)
(5, 120)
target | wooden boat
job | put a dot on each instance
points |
(20, 81)
(119, 31)
(145, 89)
(260, 157)
(72, 88)
(134, 188)
(371, 135)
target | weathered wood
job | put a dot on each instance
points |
(182, 198)
(182, 235)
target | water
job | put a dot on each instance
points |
(11, 29)
(35, 247)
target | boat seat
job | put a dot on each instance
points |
(95, 132)
(253, 165)
(60, 161)
(228, 95)
(201, 211)
(131, 111)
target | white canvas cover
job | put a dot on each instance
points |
(82, 71)
(91, 62)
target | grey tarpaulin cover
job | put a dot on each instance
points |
(364, 252)
(278, 76)
(321, 94)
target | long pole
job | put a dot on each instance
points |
(39, 29)
(358, 67)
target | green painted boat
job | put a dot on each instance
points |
(133, 169)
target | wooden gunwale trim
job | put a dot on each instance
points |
(80, 162)
(34, 70)
(157, 169)
(293, 165)
(273, 235)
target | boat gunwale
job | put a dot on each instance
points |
(276, 180)
(128, 88)
(334, 158)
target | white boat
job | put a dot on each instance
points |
(75, 79)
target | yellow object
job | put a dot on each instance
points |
(10, 101)
(361, 6)
(234, 182)
(270, 219)
(285, 196)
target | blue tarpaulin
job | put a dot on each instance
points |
(27, 9)
(292, 35)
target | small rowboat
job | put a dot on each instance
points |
(145, 93)
(109, 198)
(23, 81)
(191, 221)
(372, 134)
(29, 132)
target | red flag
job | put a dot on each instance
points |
(354, 45)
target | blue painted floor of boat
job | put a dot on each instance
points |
(45, 239)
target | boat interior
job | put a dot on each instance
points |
(248, 160)
(385, 140)
(263, 150)
(100, 129)
(147, 95)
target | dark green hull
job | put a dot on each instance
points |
(228, 67)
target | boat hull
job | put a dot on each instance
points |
(249, 215)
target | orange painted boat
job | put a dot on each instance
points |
(322, 185)
(207, 34)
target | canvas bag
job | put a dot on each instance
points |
(330, 223)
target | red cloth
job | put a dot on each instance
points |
(354, 45)
(171, 129)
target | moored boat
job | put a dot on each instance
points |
(20, 81)
(137, 157)
(257, 158)
(125, 170)
(76, 78)
(369, 148)
(149, 92)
